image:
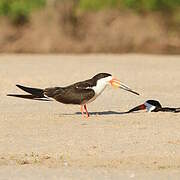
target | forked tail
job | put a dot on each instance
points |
(34, 93)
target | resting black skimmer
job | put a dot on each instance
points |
(153, 106)
(80, 93)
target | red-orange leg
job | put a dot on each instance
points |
(82, 111)
(87, 114)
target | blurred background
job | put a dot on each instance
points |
(90, 26)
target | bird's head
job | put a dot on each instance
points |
(152, 105)
(105, 79)
(149, 105)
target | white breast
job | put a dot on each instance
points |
(100, 86)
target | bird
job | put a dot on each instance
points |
(80, 93)
(153, 106)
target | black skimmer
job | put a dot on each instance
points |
(154, 106)
(80, 93)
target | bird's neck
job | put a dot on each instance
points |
(99, 88)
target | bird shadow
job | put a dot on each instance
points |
(97, 113)
(104, 113)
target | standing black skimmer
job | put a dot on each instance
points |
(80, 93)
(154, 106)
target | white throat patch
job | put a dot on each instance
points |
(149, 107)
(100, 86)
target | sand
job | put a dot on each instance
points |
(49, 140)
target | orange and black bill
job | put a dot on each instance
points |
(137, 108)
(116, 83)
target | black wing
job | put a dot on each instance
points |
(34, 91)
(78, 93)
(168, 109)
(70, 95)
(84, 84)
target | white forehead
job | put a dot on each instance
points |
(149, 107)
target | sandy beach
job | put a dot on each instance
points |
(49, 140)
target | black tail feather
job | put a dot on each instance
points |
(34, 93)
(39, 93)
(29, 96)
